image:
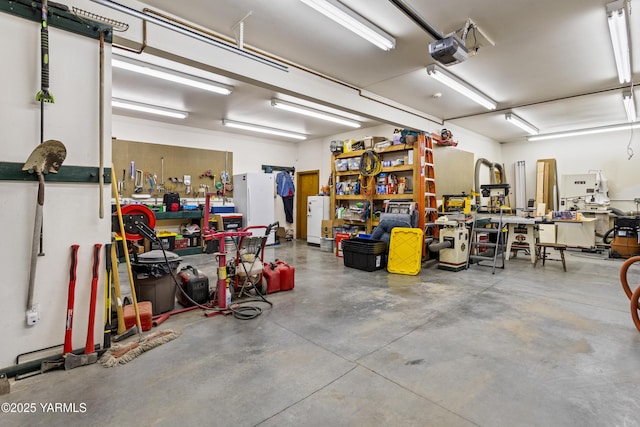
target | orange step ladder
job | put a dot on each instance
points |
(427, 205)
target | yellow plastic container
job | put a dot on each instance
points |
(405, 251)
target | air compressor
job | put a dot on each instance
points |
(453, 247)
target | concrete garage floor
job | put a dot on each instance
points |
(523, 347)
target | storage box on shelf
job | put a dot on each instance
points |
(174, 220)
(400, 179)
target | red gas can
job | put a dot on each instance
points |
(286, 275)
(272, 273)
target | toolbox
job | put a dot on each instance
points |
(146, 315)
(196, 285)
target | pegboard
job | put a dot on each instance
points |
(178, 162)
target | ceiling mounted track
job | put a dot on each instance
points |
(190, 33)
(417, 18)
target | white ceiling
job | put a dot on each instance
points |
(552, 63)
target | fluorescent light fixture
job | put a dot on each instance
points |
(461, 86)
(191, 33)
(354, 22)
(617, 19)
(589, 131)
(312, 112)
(629, 105)
(145, 108)
(521, 123)
(263, 129)
(169, 75)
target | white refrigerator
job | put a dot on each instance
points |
(317, 210)
(253, 197)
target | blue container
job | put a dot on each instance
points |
(222, 209)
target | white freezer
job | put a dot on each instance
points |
(317, 210)
(253, 196)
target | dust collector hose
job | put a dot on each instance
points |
(492, 174)
(633, 296)
(437, 247)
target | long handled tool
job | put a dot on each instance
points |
(90, 355)
(89, 347)
(126, 257)
(44, 95)
(107, 296)
(101, 128)
(68, 334)
(48, 365)
(116, 287)
(46, 157)
(121, 354)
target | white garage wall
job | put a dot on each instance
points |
(70, 210)
(580, 155)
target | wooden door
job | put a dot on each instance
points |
(307, 184)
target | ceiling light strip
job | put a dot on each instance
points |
(354, 22)
(145, 108)
(581, 132)
(312, 112)
(617, 20)
(169, 75)
(461, 86)
(629, 106)
(190, 33)
(521, 123)
(263, 129)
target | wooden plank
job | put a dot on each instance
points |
(540, 182)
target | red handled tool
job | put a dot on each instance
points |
(89, 347)
(68, 344)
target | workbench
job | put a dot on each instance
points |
(577, 234)
(529, 231)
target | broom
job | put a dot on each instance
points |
(123, 353)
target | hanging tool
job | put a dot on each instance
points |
(44, 95)
(90, 355)
(162, 171)
(101, 129)
(46, 157)
(139, 177)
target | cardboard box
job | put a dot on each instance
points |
(328, 225)
(369, 141)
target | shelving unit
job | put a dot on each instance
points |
(412, 174)
(176, 218)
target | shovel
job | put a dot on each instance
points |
(45, 158)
